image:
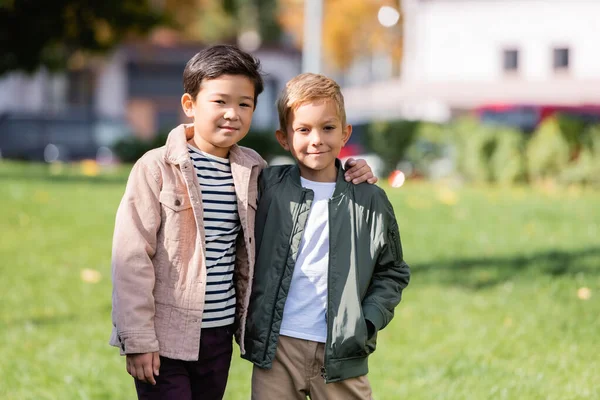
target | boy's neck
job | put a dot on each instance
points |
(328, 174)
(201, 144)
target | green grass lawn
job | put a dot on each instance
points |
(492, 310)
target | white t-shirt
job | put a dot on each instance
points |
(304, 314)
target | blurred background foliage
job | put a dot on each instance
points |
(55, 34)
(557, 152)
(67, 33)
(346, 33)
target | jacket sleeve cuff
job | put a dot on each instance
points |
(372, 313)
(138, 343)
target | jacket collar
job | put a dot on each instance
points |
(177, 150)
(340, 184)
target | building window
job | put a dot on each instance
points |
(561, 58)
(511, 60)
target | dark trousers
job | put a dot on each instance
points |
(204, 379)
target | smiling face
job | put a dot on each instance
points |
(222, 113)
(315, 135)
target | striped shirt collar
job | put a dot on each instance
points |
(177, 150)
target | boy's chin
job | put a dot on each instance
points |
(319, 168)
(227, 143)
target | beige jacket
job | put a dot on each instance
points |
(158, 260)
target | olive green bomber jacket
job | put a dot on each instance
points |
(366, 272)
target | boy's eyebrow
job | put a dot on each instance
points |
(228, 95)
(298, 123)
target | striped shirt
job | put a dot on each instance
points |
(221, 227)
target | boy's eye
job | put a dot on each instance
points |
(245, 105)
(329, 127)
(219, 101)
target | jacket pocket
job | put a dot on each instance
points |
(175, 200)
(351, 338)
(177, 215)
(371, 341)
(176, 236)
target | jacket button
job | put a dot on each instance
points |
(177, 203)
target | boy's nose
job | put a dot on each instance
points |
(231, 113)
(315, 137)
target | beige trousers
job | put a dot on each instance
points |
(296, 373)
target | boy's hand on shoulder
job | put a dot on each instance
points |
(358, 171)
(144, 366)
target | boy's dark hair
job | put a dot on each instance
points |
(219, 60)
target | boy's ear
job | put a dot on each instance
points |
(346, 134)
(282, 139)
(187, 103)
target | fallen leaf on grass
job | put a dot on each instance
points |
(90, 168)
(90, 275)
(584, 293)
(447, 196)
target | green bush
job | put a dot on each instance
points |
(585, 168)
(508, 161)
(548, 151)
(460, 131)
(474, 146)
(430, 144)
(130, 149)
(390, 140)
(485, 153)
(572, 130)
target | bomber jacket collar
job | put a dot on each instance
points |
(341, 186)
(177, 150)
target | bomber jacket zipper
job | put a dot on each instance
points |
(296, 215)
(327, 309)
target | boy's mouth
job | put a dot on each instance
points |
(229, 128)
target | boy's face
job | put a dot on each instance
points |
(222, 113)
(315, 135)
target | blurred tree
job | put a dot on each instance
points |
(391, 140)
(51, 33)
(203, 20)
(59, 33)
(212, 21)
(350, 29)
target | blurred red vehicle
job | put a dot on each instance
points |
(527, 117)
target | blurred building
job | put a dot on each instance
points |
(136, 90)
(461, 54)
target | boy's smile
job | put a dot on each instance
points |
(222, 113)
(315, 136)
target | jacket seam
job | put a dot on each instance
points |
(152, 174)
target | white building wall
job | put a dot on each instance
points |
(111, 87)
(462, 40)
(278, 68)
(22, 92)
